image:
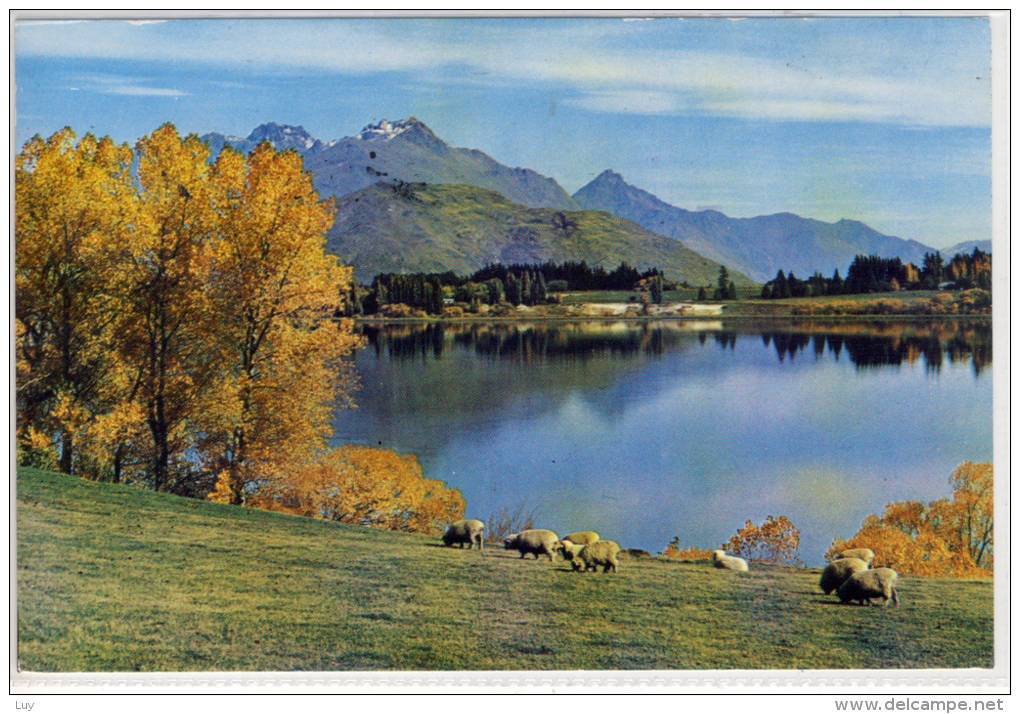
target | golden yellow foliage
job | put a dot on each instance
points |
(776, 540)
(364, 486)
(74, 211)
(944, 537)
(181, 328)
(274, 292)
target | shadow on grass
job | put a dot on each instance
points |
(847, 604)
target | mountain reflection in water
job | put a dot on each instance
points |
(866, 344)
(647, 430)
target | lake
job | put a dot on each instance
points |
(648, 430)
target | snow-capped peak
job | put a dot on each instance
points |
(282, 136)
(384, 130)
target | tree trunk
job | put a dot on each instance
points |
(118, 465)
(66, 452)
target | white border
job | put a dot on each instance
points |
(829, 682)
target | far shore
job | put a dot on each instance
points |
(602, 306)
(468, 319)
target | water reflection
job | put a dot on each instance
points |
(648, 430)
(868, 345)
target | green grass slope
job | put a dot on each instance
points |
(111, 578)
(461, 228)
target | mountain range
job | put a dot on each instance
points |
(758, 246)
(405, 150)
(437, 227)
(400, 153)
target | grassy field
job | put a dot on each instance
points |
(112, 578)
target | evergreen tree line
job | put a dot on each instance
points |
(423, 291)
(517, 284)
(873, 274)
(571, 275)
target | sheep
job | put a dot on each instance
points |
(568, 548)
(535, 541)
(603, 552)
(637, 553)
(728, 562)
(468, 531)
(836, 573)
(866, 584)
(865, 554)
(582, 537)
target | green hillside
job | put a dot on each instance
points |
(430, 227)
(112, 578)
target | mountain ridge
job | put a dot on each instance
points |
(405, 150)
(758, 246)
(400, 227)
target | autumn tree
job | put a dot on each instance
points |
(74, 212)
(273, 291)
(776, 540)
(169, 339)
(364, 486)
(949, 536)
(969, 527)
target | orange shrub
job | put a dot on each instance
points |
(364, 486)
(674, 551)
(943, 538)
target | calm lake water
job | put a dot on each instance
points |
(644, 431)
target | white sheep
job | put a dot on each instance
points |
(591, 556)
(582, 537)
(568, 548)
(728, 562)
(865, 554)
(867, 584)
(536, 541)
(470, 531)
(836, 573)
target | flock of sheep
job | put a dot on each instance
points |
(850, 574)
(584, 549)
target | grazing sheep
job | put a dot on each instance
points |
(865, 554)
(867, 584)
(728, 562)
(603, 552)
(468, 531)
(836, 573)
(536, 541)
(582, 537)
(568, 548)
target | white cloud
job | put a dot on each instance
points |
(909, 88)
(122, 85)
(627, 102)
(139, 91)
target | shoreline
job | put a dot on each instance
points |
(662, 318)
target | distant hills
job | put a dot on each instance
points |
(408, 152)
(430, 227)
(405, 150)
(758, 246)
(967, 247)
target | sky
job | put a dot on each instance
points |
(883, 120)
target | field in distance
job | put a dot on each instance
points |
(113, 578)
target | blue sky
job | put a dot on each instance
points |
(885, 120)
